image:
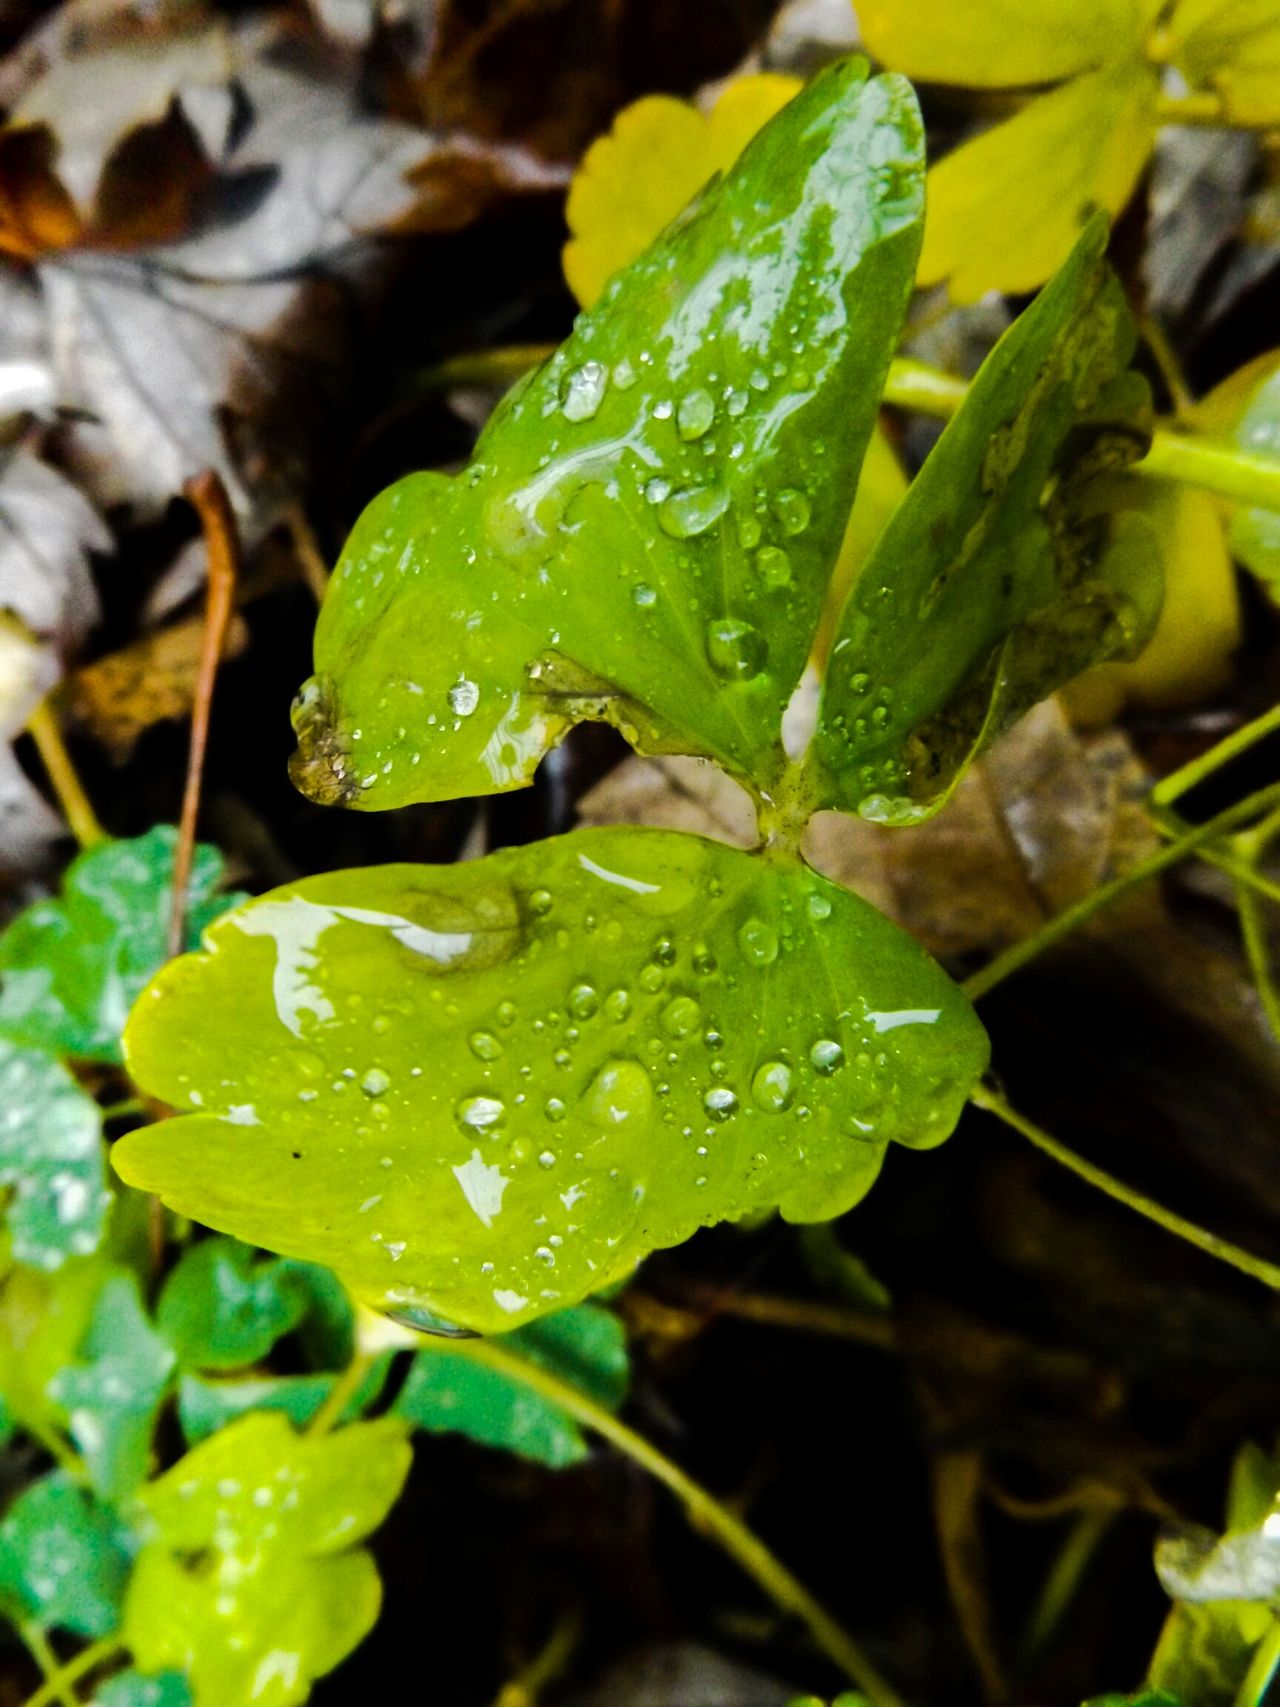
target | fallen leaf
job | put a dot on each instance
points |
(47, 530)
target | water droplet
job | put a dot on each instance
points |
(546, 1255)
(546, 1159)
(826, 1055)
(704, 962)
(792, 510)
(695, 413)
(506, 1013)
(819, 906)
(720, 1102)
(617, 1004)
(485, 1046)
(540, 903)
(680, 1016)
(619, 1092)
(584, 392)
(664, 951)
(774, 567)
(657, 489)
(692, 510)
(736, 402)
(480, 1113)
(554, 1109)
(375, 1082)
(735, 649)
(464, 697)
(651, 978)
(748, 532)
(773, 1087)
(859, 682)
(643, 595)
(583, 1001)
(624, 376)
(713, 1040)
(758, 942)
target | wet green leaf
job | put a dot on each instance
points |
(1255, 534)
(206, 1406)
(489, 1089)
(112, 1394)
(71, 967)
(647, 527)
(446, 1392)
(1003, 573)
(64, 1559)
(43, 1318)
(133, 1689)
(224, 1307)
(50, 1158)
(252, 1583)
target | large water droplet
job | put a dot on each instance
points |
(735, 649)
(792, 510)
(695, 413)
(619, 1092)
(643, 595)
(541, 903)
(826, 1055)
(720, 1102)
(773, 1087)
(759, 942)
(774, 567)
(617, 1004)
(375, 1082)
(692, 510)
(485, 1046)
(584, 392)
(554, 1109)
(681, 1016)
(464, 697)
(583, 1001)
(481, 1113)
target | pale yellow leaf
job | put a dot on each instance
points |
(995, 44)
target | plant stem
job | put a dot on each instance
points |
(1185, 778)
(1262, 1669)
(1200, 108)
(208, 497)
(917, 385)
(1071, 918)
(44, 730)
(740, 1542)
(340, 1395)
(500, 366)
(59, 1682)
(546, 1666)
(1255, 1267)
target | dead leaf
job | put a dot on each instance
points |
(673, 794)
(119, 697)
(28, 824)
(47, 530)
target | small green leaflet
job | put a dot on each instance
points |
(205, 1406)
(489, 1089)
(112, 1395)
(132, 1689)
(1003, 572)
(445, 1392)
(224, 1307)
(70, 968)
(64, 1559)
(251, 1581)
(50, 1158)
(647, 527)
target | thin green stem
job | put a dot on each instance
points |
(501, 366)
(44, 729)
(546, 1666)
(1262, 1669)
(1084, 1536)
(51, 1670)
(64, 1677)
(340, 1395)
(1255, 1267)
(118, 1110)
(1257, 951)
(740, 1542)
(1185, 778)
(928, 390)
(1081, 912)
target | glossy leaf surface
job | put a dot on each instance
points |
(489, 1089)
(252, 1583)
(224, 1307)
(445, 1392)
(64, 1559)
(50, 1158)
(648, 524)
(112, 1394)
(71, 967)
(205, 1406)
(1255, 533)
(1002, 573)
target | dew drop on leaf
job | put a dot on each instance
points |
(793, 510)
(758, 942)
(585, 391)
(619, 1092)
(735, 649)
(826, 1055)
(479, 1113)
(375, 1082)
(695, 413)
(720, 1102)
(680, 1016)
(464, 697)
(692, 510)
(484, 1046)
(773, 1086)
(774, 567)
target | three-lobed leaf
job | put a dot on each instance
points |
(489, 1089)
(224, 1307)
(648, 524)
(51, 1158)
(252, 1582)
(1004, 571)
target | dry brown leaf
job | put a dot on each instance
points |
(119, 697)
(673, 794)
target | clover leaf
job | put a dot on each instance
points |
(489, 1089)
(251, 1581)
(51, 1157)
(647, 527)
(224, 1307)
(64, 1559)
(1004, 572)
(70, 967)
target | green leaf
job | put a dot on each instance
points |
(1255, 534)
(70, 968)
(64, 1559)
(51, 1158)
(133, 1689)
(206, 1406)
(43, 1319)
(224, 1307)
(252, 1583)
(1143, 1698)
(489, 1089)
(446, 1392)
(647, 527)
(111, 1397)
(1003, 573)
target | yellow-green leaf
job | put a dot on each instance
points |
(995, 44)
(634, 180)
(1232, 46)
(1003, 212)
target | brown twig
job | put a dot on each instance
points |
(208, 497)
